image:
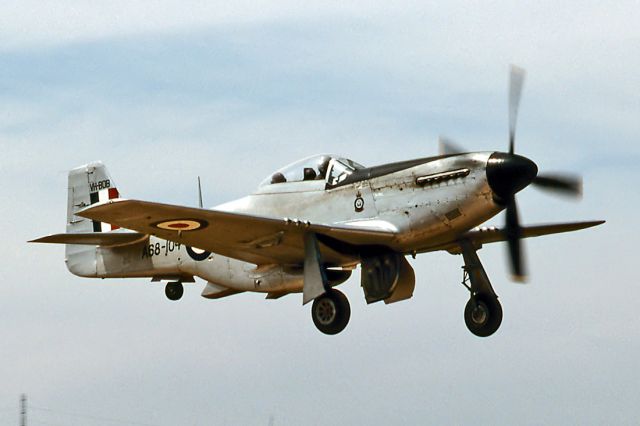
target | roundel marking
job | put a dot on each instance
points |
(181, 224)
(197, 254)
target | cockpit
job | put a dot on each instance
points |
(329, 168)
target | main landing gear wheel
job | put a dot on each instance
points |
(174, 290)
(331, 312)
(483, 315)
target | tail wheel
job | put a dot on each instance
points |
(174, 290)
(483, 315)
(331, 312)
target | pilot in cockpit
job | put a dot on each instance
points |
(278, 178)
(308, 169)
(308, 173)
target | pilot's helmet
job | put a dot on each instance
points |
(278, 178)
(309, 173)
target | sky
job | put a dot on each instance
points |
(165, 91)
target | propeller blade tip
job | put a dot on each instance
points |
(520, 279)
(448, 147)
(515, 69)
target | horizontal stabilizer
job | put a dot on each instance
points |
(107, 239)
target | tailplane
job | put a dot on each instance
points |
(87, 185)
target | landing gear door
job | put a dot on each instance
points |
(388, 277)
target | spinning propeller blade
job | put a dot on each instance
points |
(514, 242)
(561, 184)
(447, 147)
(516, 80)
(512, 228)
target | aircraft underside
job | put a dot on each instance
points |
(386, 276)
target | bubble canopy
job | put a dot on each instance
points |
(321, 167)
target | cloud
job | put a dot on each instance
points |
(29, 22)
(32, 23)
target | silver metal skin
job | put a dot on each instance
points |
(417, 214)
(301, 215)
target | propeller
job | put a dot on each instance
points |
(518, 172)
(447, 146)
(516, 81)
(513, 231)
(509, 173)
(569, 185)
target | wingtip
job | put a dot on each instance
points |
(593, 223)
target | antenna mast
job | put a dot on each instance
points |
(23, 410)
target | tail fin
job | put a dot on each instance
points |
(88, 184)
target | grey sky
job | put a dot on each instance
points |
(163, 92)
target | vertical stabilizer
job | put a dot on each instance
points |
(88, 184)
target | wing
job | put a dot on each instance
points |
(480, 236)
(246, 237)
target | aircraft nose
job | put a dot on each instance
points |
(509, 173)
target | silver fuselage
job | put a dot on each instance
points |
(421, 215)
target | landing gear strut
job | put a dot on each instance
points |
(174, 290)
(483, 313)
(331, 312)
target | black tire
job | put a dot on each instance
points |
(331, 312)
(483, 315)
(174, 290)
